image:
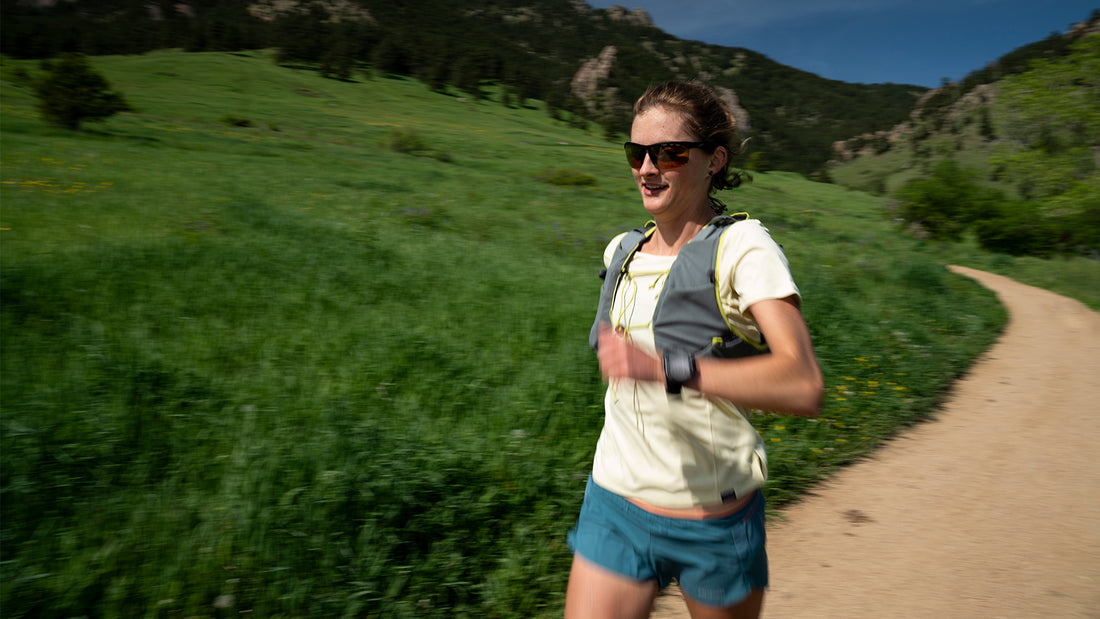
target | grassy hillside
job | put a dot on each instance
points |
(334, 363)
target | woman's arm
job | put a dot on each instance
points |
(786, 379)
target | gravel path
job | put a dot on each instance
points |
(990, 510)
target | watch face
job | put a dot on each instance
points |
(681, 371)
(679, 368)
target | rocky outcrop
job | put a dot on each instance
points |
(637, 17)
(740, 114)
(586, 81)
(586, 87)
(581, 6)
(338, 10)
(1091, 26)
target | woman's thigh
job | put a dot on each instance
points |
(749, 608)
(597, 593)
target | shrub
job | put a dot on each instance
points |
(234, 121)
(565, 177)
(405, 141)
(1018, 234)
(72, 92)
(949, 201)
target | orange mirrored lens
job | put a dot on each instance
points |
(665, 155)
(671, 155)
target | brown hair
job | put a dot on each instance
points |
(706, 116)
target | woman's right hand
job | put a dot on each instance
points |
(620, 358)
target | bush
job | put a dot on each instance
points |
(948, 202)
(1019, 235)
(565, 177)
(409, 142)
(405, 141)
(72, 92)
(234, 121)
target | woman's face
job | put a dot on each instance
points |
(675, 192)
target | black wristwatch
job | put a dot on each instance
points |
(679, 369)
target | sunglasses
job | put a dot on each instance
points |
(665, 155)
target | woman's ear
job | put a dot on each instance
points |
(718, 160)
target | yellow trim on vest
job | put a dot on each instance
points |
(718, 294)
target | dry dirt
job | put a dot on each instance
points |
(989, 510)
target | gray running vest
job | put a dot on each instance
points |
(688, 316)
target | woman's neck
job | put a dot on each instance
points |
(673, 234)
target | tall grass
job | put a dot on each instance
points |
(284, 370)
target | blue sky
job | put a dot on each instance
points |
(869, 41)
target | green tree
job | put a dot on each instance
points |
(949, 201)
(72, 92)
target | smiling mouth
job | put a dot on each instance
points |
(653, 186)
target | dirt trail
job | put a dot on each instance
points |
(990, 510)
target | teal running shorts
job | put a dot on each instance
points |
(716, 561)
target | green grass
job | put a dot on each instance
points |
(288, 368)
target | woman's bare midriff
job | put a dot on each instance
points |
(698, 512)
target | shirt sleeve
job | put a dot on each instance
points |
(753, 269)
(609, 251)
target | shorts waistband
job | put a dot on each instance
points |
(748, 506)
